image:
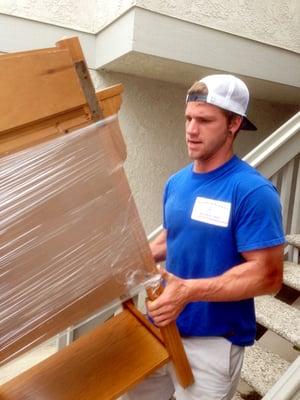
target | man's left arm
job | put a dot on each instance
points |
(260, 274)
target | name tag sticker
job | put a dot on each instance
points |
(213, 212)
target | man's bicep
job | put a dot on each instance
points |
(267, 255)
(258, 223)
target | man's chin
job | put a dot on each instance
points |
(194, 155)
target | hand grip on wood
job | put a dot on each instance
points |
(174, 346)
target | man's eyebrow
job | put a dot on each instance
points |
(210, 117)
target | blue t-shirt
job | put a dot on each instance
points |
(210, 219)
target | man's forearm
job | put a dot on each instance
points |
(159, 247)
(159, 252)
(260, 274)
(241, 282)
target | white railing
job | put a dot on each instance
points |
(277, 149)
(288, 386)
(287, 181)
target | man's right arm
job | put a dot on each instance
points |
(159, 247)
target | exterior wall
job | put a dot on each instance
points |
(275, 22)
(106, 13)
(152, 123)
(88, 16)
(77, 14)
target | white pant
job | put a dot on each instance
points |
(216, 365)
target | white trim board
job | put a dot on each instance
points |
(20, 34)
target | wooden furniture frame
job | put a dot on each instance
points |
(112, 358)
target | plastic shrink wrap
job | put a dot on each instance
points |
(71, 239)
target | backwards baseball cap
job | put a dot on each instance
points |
(227, 92)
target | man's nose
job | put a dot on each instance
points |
(192, 127)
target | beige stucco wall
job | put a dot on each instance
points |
(86, 15)
(77, 14)
(275, 22)
(152, 123)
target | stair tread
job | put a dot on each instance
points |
(293, 239)
(237, 396)
(291, 276)
(280, 317)
(262, 368)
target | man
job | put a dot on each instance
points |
(222, 241)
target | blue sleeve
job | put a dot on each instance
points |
(165, 196)
(258, 220)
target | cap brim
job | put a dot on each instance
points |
(247, 125)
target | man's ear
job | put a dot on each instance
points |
(235, 123)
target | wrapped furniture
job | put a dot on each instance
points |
(71, 238)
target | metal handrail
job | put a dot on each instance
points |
(273, 142)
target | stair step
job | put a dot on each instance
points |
(291, 276)
(262, 368)
(294, 240)
(280, 317)
(237, 396)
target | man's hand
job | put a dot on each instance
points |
(170, 303)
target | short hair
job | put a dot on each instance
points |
(198, 88)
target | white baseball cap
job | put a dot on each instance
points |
(227, 92)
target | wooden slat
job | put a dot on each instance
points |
(51, 127)
(37, 85)
(72, 44)
(175, 347)
(75, 51)
(41, 131)
(177, 354)
(101, 365)
(129, 305)
(109, 99)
